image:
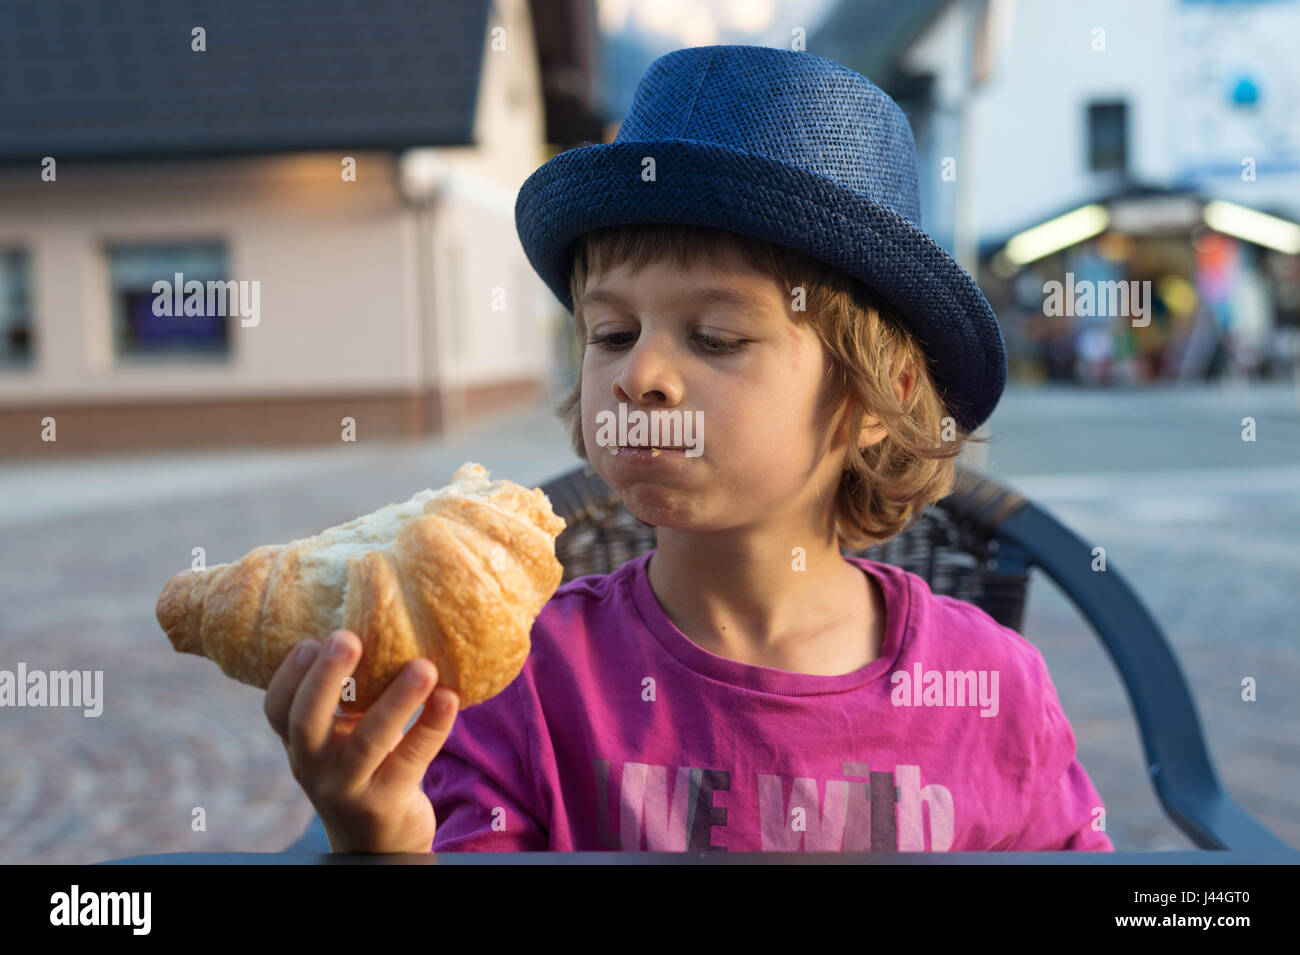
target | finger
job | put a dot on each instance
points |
(280, 691)
(410, 759)
(380, 729)
(344, 724)
(311, 717)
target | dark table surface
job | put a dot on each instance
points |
(1255, 857)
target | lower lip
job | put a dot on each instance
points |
(647, 454)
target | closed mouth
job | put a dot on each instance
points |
(655, 450)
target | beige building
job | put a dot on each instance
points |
(236, 290)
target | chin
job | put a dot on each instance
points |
(660, 508)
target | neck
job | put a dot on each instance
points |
(754, 596)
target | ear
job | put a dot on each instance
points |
(872, 430)
(905, 383)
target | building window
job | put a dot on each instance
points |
(15, 309)
(1107, 136)
(147, 284)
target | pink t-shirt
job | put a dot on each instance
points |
(620, 733)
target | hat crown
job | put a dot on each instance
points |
(792, 149)
(783, 105)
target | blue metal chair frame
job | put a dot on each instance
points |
(1010, 535)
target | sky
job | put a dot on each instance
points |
(637, 31)
(681, 23)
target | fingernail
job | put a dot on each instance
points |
(414, 675)
(444, 701)
(339, 647)
(307, 651)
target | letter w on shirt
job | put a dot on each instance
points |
(644, 798)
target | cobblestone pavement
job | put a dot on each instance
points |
(1206, 529)
(77, 591)
(88, 545)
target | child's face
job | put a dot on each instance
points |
(770, 462)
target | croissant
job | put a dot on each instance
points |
(457, 575)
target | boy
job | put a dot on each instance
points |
(744, 686)
(745, 257)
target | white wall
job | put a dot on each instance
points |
(478, 247)
(336, 311)
(1170, 61)
(338, 262)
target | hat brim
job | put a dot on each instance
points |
(702, 184)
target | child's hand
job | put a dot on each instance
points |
(362, 775)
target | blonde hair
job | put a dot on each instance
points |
(885, 486)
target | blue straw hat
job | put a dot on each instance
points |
(788, 147)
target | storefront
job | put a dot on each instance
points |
(1147, 287)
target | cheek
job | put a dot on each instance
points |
(587, 404)
(593, 381)
(796, 348)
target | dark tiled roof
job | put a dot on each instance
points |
(117, 78)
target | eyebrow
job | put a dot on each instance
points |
(693, 298)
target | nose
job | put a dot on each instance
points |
(648, 376)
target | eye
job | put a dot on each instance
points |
(716, 346)
(721, 346)
(607, 341)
